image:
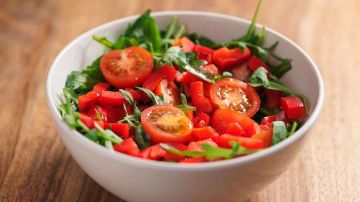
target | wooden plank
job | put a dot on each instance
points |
(35, 166)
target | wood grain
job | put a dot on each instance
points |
(34, 165)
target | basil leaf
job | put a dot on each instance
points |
(279, 132)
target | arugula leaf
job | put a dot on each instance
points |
(154, 98)
(170, 29)
(279, 132)
(204, 41)
(138, 24)
(134, 118)
(83, 81)
(184, 104)
(292, 128)
(280, 69)
(108, 134)
(211, 152)
(187, 62)
(142, 139)
(104, 41)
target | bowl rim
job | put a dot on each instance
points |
(176, 166)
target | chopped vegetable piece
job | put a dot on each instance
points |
(293, 107)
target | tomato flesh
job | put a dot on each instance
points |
(165, 123)
(235, 95)
(126, 68)
(169, 91)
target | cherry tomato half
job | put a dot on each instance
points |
(169, 91)
(235, 95)
(165, 123)
(126, 68)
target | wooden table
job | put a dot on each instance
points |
(35, 166)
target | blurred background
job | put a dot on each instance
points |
(35, 166)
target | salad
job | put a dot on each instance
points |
(170, 95)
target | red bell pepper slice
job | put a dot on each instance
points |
(186, 77)
(121, 129)
(236, 129)
(280, 116)
(111, 98)
(250, 143)
(272, 98)
(95, 110)
(264, 134)
(128, 146)
(203, 133)
(87, 120)
(212, 68)
(201, 120)
(186, 43)
(255, 62)
(225, 58)
(196, 88)
(203, 49)
(164, 72)
(100, 87)
(202, 104)
(293, 107)
(135, 94)
(87, 100)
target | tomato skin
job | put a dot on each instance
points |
(111, 98)
(100, 87)
(241, 72)
(156, 152)
(186, 43)
(264, 134)
(293, 107)
(159, 135)
(189, 114)
(225, 58)
(202, 104)
(204, 133)
(87, 120)
(126, 68)
(272, 98)
(235, 128)
(121, 129)
(250, 143)
(196, 146)
(255, 62)
(251, 106)
(164, 72)
(169, 91)
(128, 146)
(221, 119)
(87, 100)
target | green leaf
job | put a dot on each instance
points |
(142, 139)
(211, 152)
(184, 104)
(152, 33)
(279, 132)
(181, 31)
(204, 41)
(259, 78)
(251, 32)
(154, 98)
(170, 29)
(108, 134)
(280, 69)
(104, 41)
(292, 128)
(138, 24)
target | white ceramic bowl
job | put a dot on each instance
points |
(135, 179)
